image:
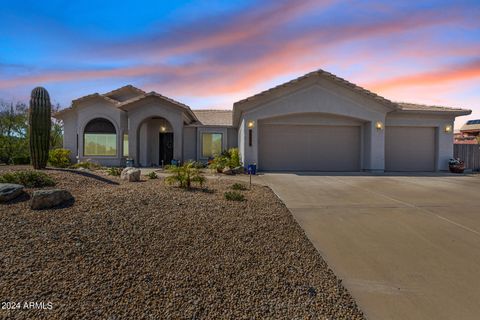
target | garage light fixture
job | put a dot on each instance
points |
(379, 125)
(448, 128)
(251, 124)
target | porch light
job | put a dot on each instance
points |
(379, 125)
(251, 124)
(163, 129)
(448, 128)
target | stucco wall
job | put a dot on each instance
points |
(333, 102)
(189, 143)
(99, 108)
(444, 140)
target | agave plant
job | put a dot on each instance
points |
(185, 175)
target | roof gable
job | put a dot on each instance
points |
(124, 93)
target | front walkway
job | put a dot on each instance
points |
(406, 247)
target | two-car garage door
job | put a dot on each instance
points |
(309, 147)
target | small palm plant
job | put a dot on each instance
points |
(185, 175)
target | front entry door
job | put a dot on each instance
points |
(166, 148)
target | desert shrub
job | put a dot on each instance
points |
(228, 158)
(152, 175)
(28, 178)
(59, 158)
(87, 165)
(239, 186)
(234, 196)
(185, 175)
(21, 159)
(114, 171)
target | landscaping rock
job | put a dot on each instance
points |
(130, 174)
(9, 191)
(45, 199)
(227, 170)
(238, 170)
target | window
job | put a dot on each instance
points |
(99, 138)
(211, 144)
(125, 144)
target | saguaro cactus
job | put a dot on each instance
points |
(40, 125)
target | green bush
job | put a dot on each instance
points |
(185, 175)
(234, 196)
(59, 158)
(87, 165)
(152, 175)
(114, 171)
(28, 178)
(239, 186)
(228, 158)
(21, 159)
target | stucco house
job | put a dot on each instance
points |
(318, 122)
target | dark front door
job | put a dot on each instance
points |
(166, 147)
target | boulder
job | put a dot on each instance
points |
(9, 191)
(45, 199)
(130, 174)
(227, 170)
(238, 170)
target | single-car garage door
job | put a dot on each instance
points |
(309, 147)
(409, 149)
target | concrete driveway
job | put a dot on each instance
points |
(406, 247)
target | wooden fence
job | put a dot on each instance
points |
(470, 153)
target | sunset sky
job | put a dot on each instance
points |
(209, 54)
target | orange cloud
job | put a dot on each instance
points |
(463, 72)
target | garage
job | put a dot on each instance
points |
(409, 148)
(309, 147)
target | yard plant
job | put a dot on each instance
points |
(28, 178)
(234, 196)
(114, 171)
(239, 186)
(40, 124)
(228, 158)
(87, 165)
(152, 175)
(185, 175)
(59, 158)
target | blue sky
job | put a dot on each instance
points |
(209, 54)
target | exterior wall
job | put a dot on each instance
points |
(144, 111)
(443, 140)
(232, 135)
(210, 129)
(332, 102)
(241, 141)
(70, 135)
(189, 143)
(99, 108)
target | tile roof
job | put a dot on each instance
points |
(422, 107)
(214, 117)
(321, 73)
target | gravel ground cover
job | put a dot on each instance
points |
(148, 251)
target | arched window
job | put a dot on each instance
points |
(99, 138)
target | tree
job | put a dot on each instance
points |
(13, 131)
(14, 135)
(56, 136)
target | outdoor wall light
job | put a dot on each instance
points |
(163, 129)
(379, 125)
(251, 124)
(448, 128)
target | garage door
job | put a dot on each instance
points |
(309, 147)
(409, 149)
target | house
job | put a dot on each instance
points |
(469, 133)
(317, 122)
